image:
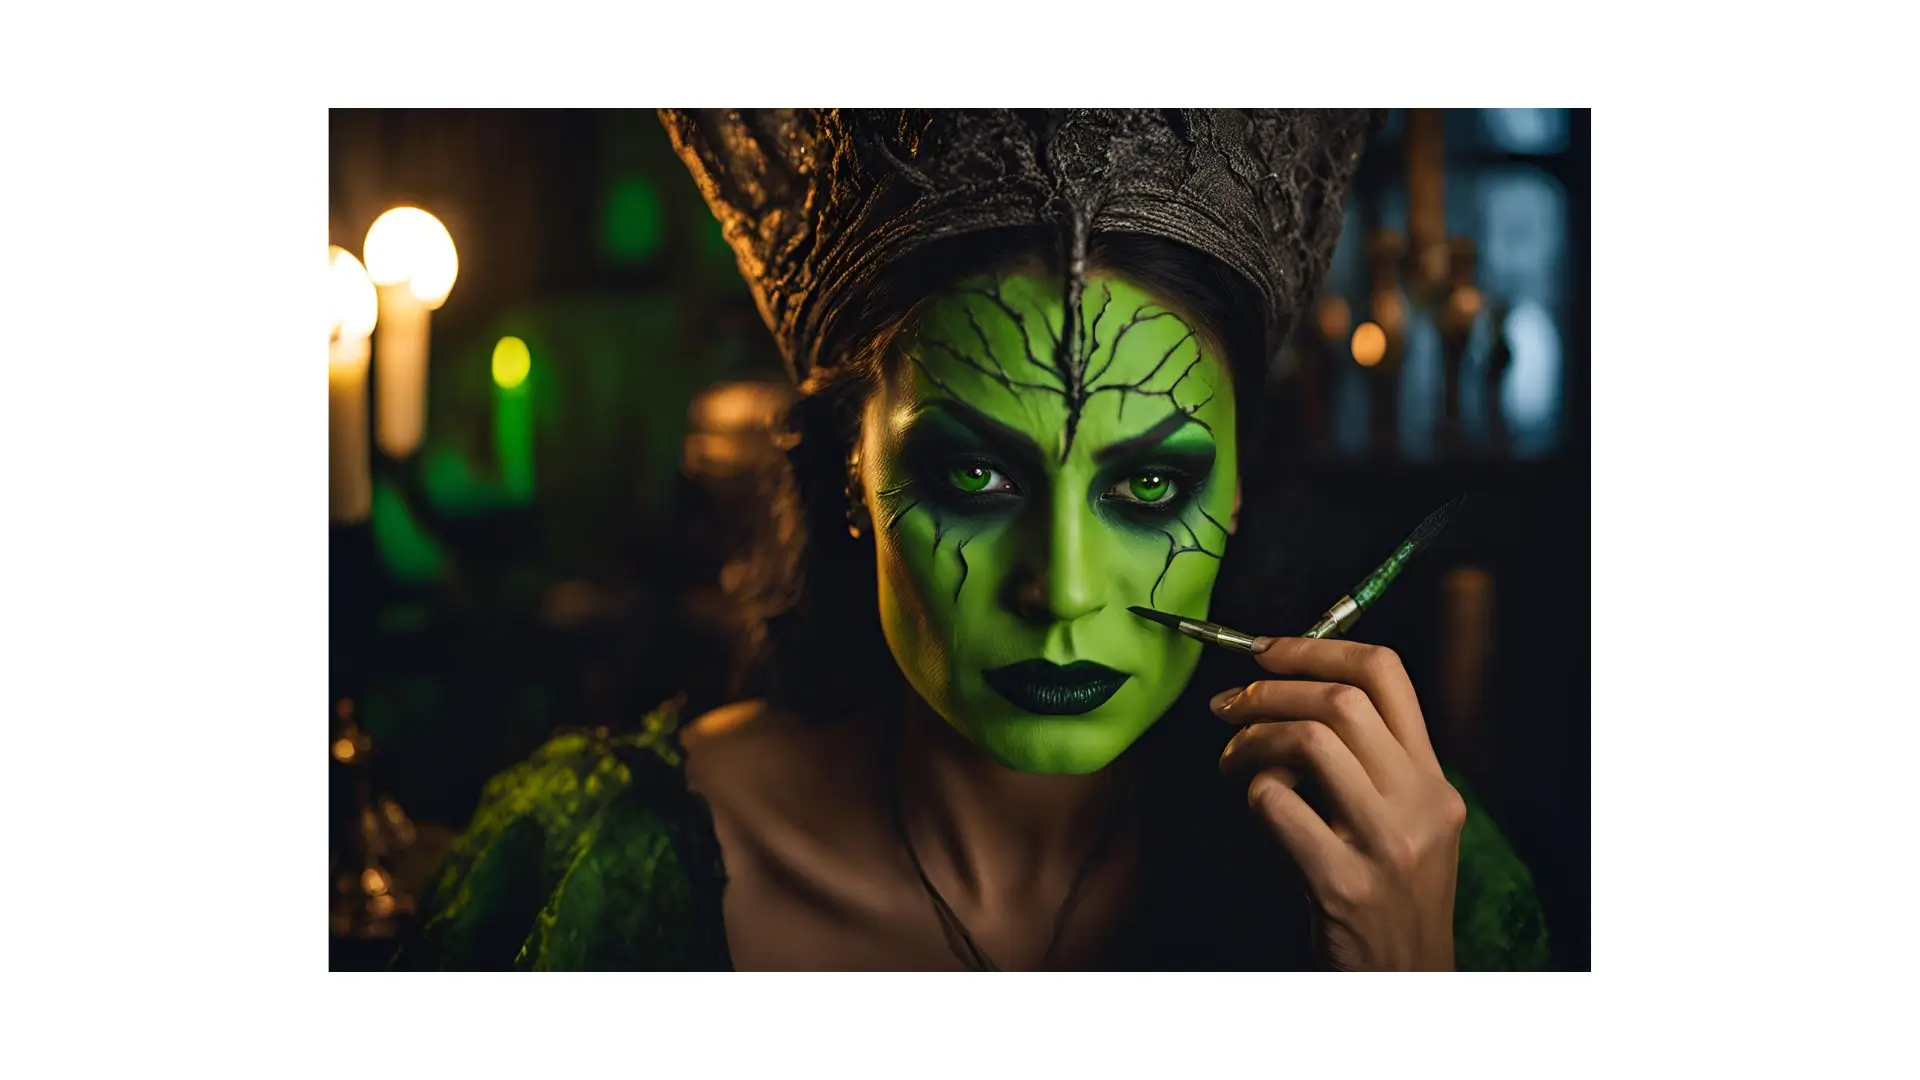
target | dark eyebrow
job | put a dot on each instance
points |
(987, 429)
(1145, 441)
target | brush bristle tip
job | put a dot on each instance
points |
(1160, 617)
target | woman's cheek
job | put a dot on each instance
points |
(905, 617)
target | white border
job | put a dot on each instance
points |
(166, 603)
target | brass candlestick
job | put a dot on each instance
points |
(1456, 318)
(1426, 254)
(369, 901)
(1380, 343)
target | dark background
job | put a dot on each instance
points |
(468, 625)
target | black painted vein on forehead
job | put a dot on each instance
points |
(1146, 440)
(1064, 362)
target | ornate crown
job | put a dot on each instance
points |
(818, 203)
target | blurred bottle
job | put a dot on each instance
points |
(1466, 648)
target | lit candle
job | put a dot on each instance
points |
(401, 339)
(411, 257)
(355, 314)
(513, 417)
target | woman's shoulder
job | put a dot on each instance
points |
(590, 853)
(736, 744)
(754, 760)
(742, 730)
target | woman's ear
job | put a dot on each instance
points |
(1233, 520)
(858, 520)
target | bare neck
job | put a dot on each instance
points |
(998, 831)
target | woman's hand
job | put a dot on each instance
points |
(1381, 863)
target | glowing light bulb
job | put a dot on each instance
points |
(353, 302)
(1369, 344)
(512, 360)
(408, 245)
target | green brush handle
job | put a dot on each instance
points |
(1340, 618)
(1365, 593)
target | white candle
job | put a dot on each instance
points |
(411, 257)
(400, 342)
(354, 314)
(350, 475)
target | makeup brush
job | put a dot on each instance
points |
(1345, 611)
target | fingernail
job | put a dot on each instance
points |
(1261, 644)
(1227, 697)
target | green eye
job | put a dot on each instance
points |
(1150, 488)
(974, 478)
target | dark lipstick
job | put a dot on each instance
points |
(1048, 689)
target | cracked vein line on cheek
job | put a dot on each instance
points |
(940, 526)
(960, 552)
(1175, 549)
(1215, 522)
(900, 512)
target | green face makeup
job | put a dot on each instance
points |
(1023, 499)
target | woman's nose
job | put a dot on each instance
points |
(1063, 579)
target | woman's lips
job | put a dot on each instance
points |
(1048, 689)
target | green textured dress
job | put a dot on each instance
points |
(593, 855)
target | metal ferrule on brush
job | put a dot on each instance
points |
(1215, 634)
(1337, 620)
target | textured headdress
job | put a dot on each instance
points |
(818, 204)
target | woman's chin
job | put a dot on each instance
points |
(1054, 745)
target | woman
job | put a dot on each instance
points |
(1031, 346)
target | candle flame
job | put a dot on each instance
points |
(354, 303)
(1369, 344)
(408, 245)
(512, 360)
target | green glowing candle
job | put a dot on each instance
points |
(513, 417)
